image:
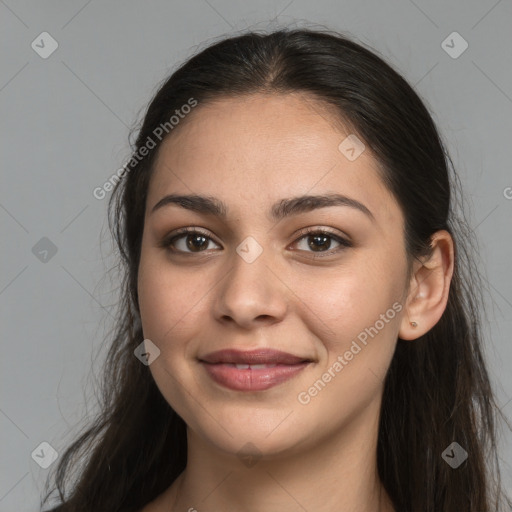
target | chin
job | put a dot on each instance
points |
(255, 432)
(256, 444)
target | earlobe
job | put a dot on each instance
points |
(429, 288)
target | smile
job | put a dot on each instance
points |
(244, 377)
(255, 370)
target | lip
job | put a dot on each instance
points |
(274, 367)
(256, 356)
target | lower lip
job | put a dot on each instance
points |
(252, 380)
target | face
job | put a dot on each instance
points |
(323, 282)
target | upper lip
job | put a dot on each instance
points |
(257, 356)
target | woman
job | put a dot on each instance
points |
(300, 320)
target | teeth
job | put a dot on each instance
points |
(252, 366)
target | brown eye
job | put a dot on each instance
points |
(319, 241)
(188, 241)
(196, 242)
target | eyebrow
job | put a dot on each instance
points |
(281, 209)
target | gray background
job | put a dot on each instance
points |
(65, 123)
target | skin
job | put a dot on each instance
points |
(250, 153)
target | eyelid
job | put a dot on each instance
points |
(322, 230)
(343, 241)
(165, 243)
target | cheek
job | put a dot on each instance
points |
(166, 299)
(356, 322)
(345, 301)
(355, 314)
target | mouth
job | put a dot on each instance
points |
(260, 356)
(254, 370)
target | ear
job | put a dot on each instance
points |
(428, 288)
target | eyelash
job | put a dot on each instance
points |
(168, 242)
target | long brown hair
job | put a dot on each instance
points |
(437, 389)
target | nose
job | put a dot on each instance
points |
(251, 295)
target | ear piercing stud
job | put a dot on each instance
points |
(413, 324)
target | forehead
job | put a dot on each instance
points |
(260, 148)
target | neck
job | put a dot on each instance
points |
(337, 474)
